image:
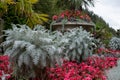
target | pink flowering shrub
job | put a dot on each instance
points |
(91, 69)
(5, 70)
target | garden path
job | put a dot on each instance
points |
(114, 73)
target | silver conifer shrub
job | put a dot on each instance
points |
(80, 44)
(114, 43)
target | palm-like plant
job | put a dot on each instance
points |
(75, 4)
(24, 8)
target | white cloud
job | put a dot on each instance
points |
(109, 11)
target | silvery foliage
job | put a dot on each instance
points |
(114, 43)
(80, 44)
(41, 48)
(27, 47)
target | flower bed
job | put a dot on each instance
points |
(71, 16)
(92, 69)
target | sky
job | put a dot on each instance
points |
(109, 10)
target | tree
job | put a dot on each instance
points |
(45, 6)
(75, 4)
(24, 9)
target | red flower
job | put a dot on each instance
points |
(0, 73)
(55, 17)
(4, 67)
(71, 14)
(67, 13)
(62, 16)
(82, 17)
(77, 13)
(104, 78)
(8, 77)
